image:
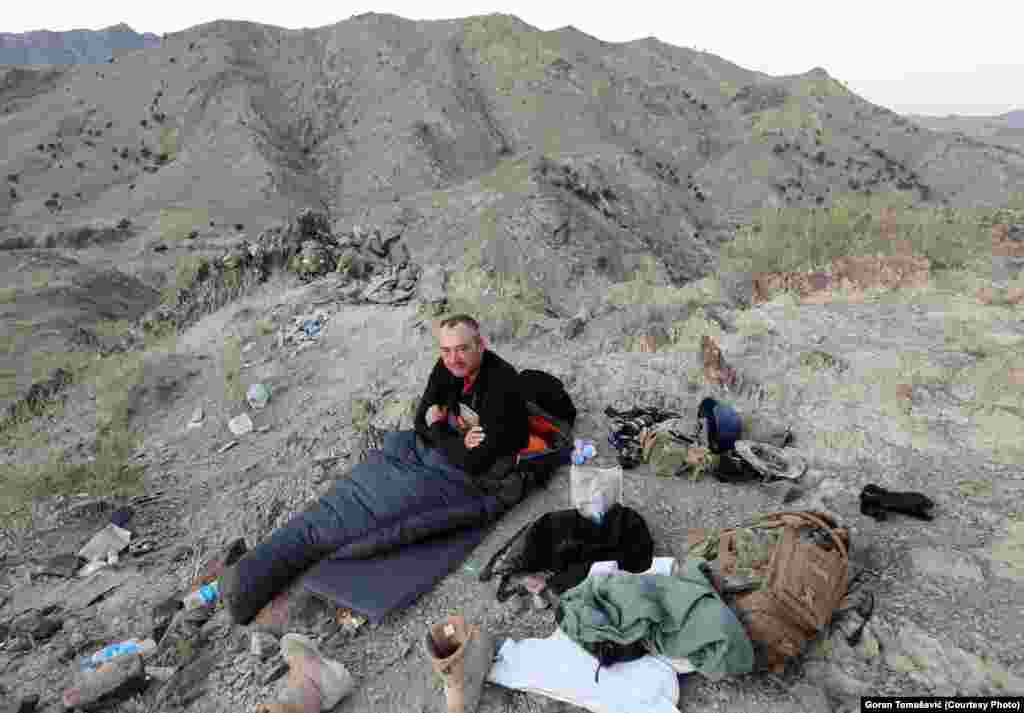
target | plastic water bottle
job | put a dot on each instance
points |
(131, 646)
(588, 449)
(205, 596)
(583, 451)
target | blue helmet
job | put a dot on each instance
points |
(722, 423)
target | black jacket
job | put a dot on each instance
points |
(502, 411)
(567, 544)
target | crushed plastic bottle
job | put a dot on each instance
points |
(205, 596)
(131, 646)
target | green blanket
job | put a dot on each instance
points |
(681, 615)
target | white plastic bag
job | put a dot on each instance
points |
(595, 490)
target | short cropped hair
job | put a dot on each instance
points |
(456, 319)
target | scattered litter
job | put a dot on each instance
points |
(121, 678)
(122, 516)
(92, 567)
(312, 327)
(258, 395)
(227, 447)
(204, 596)
(262, 429)
(161, 673)
(110, 539)
(348, 620)
(198, 415)
(141, 547)
(771, 462)
(248, 347)
(240, 425)
(143, 647)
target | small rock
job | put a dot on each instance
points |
(240, 425)
(198, 415)
(572, 328)
(41, 628)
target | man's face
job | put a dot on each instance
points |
(460, 350)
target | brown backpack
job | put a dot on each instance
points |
(802, 583)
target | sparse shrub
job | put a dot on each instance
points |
(124, 154)
(239, 226)
(162, 158)
(143, 123)
(12, 177)
(116, 167)
(110, 124)
(80, 164)
(13, 193)
(40, 147)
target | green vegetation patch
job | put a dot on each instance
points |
(169, 142)
(8, 294)
(110, 473)
(512, 175)
(787, 119)
(975, 488)
(1011, 549)
(517, 55)
(795, 239)
(234, 389)
(827, 87)
(177, 223)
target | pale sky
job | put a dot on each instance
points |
(908, 55)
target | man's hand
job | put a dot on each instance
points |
(436, 413)
(474, 437)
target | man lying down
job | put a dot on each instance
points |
(423, 483)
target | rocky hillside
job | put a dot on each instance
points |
(551, 160)
(72, 47)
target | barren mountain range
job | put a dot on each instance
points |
(1006, 129)
(620, 150)
(72, 46)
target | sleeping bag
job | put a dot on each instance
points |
(425, 483)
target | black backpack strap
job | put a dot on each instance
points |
(488, 571)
